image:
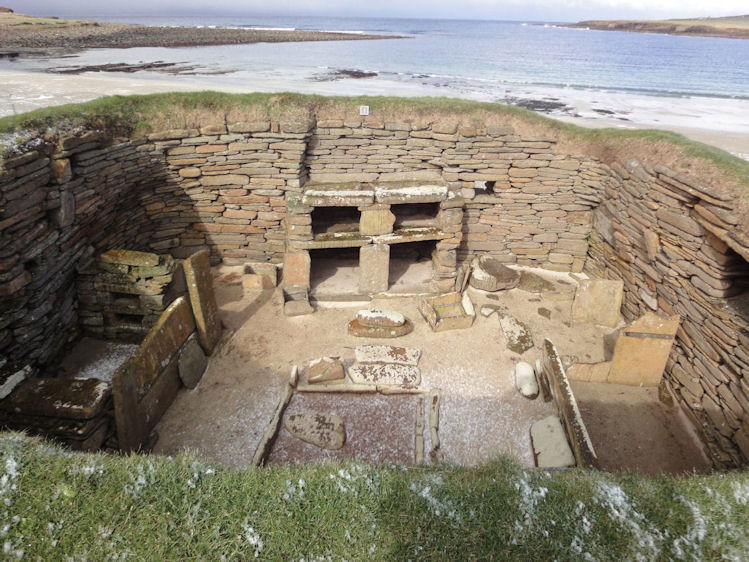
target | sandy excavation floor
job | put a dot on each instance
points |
(481, 415)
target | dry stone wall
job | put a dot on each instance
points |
(226, 188)
(59, 204)
(676, 246)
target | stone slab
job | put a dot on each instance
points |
(410, 194)
(192, 363)
(356, 328)
(518, 335)
(385, 373)
(387, 354)
(375, 222)
(203, 300)
(11, 375)
(567, 408)
(451, 311)
(321, 430)
(344, 196)
(380, 318)
(589, 372)
(374, 268)
(325, 369)
(533, 283)
(642, 350)
(62, 398)
(598, 301)
(130, 257)
(550, 446)
(489, 274)
(162, 343)
(296, 268)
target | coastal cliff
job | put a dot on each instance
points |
(736, 27)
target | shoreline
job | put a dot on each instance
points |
(22, 35)
(25, 91)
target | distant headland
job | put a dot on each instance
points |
(736, 27)
(21, 33)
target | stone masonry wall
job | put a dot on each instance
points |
(675, 245)
(58, 204)
(225, 188)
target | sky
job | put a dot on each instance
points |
(538, 10)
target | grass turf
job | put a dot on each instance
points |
(55, 504)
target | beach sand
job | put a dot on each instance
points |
(723, 123)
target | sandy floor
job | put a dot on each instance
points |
(482, 414)
(632, 430)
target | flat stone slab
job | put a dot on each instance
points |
(203, 300)
(321, 430)
(390, 374)
(410, 194)
(325, 369)
(534, 283)
(518, 335)
(380, 318)
(11, 375)
(356, 328)
(550, 446)
(642, 350)
(343, 195)
(387, 354)
(130, 257)
(598, 301)
(589, 372)
(489, 274)
(525, 380)
(61, 398)
(192, 363)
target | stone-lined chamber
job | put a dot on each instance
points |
(238, 191)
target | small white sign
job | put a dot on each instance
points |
(363, 110)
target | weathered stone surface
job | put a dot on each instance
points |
(598, 301)
(387, 354)
(410, 194)
(325, 369)
(374, 268)
(77, 399)
(376, 222)
(296, 268)
(550, 446)
(385, 373)
(489, 274)
(533, 283)
(203, 300)
(642, 350)
(296, 300)
(61, 171)
(355, 328)
(525, 380)
(192, 363)
(517, 334)
(380, 318)
(321, 430)
(589, 372)
(260, 276)
(11, 375)
(342, 195)
(564, 399)
(130, 257)
(652, 244)
(451, 311)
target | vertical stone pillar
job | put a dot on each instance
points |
(376, 220)
(374, 268)
(296, 268)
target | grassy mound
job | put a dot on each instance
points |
(55, 504)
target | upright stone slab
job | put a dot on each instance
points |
(376, 220)
(374, 268)
(642, 350)
(296, 268)
(192, 363)
(203, 300)
(598, 301)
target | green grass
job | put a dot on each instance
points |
(54, 504)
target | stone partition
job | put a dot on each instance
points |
(237, 190)
(676, 245)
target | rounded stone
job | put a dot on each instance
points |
(490, 275)
(525, 380)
